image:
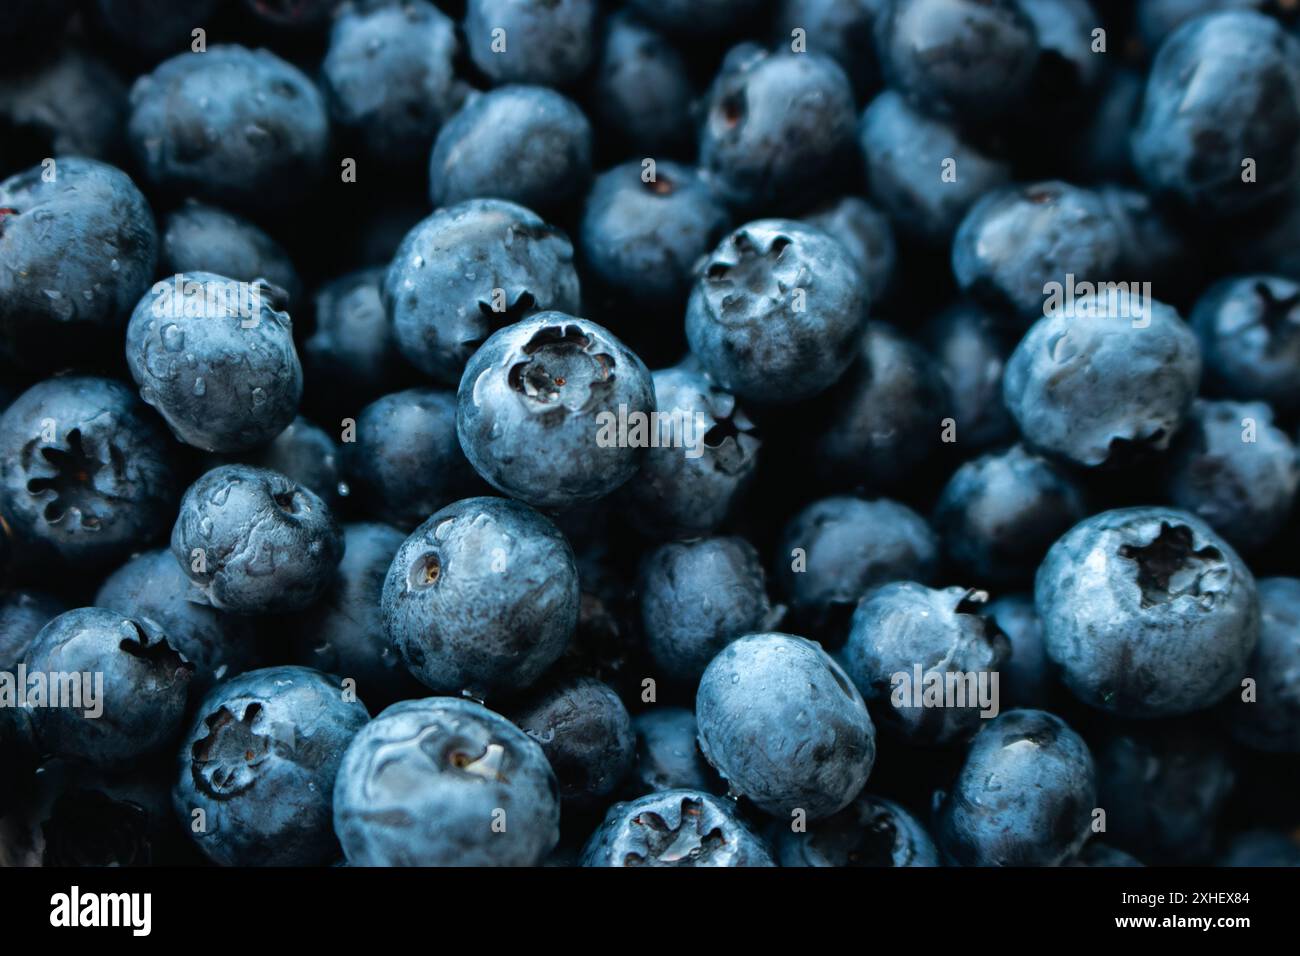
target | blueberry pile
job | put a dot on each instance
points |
(650, 433)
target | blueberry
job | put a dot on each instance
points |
(1097, 387)
(838, 548)
(216, 358)
(697, 597)
(641, 90)
(22, 615)
(85, 471)
(1151, 244)
(586, 734)
(888, 413)
(1000, 513)
(1016, 240)
(1027, 679)
(138, 708)
(774, 312)
(405, 462)
(904, 629)
(1269, 721)
(1234, 469)
(343, 633)
(468, 271)
(526, 144)
(1147, 612)
(79, 251)
(907, 159)
(684, 492)
(201, 238)
(840, 29)
(1103, 153)
(785, 726)
(641, 237)
(777, 126)
(257, 768)
(1191, 142)
(1163, 788)
(71, 105)
(445, 782)
(1156, 19)
(152, 586)
(971, 353)
(229, 125)
(476, 554)
(255, 542)
(1068, 65)
(154, 29)
(870, 831)
(388, 76)
(971, 60)
(1261, 848)
(1249, 328)
(679, 827)
(540, 407)
(548, 42)
(354, 346)
(307, 455)
(1024, 796)
(667, 755)
(867, 235)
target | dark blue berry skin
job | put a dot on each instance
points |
(1103, 147)
(535, 406)
(146, 687)
(406, 461)
(305, 454)
(1190, 141)
(475, 554)
(78, 253)
(1015, 240)
(1156, 19)
(389, 79)
(547, 42)
(972, 353)
(153, 29)
(697, 597)
(777, 127)
(526, 144)
(900, 625)
(845, 546)
(667, 755)
(968, 60)
(469, 270)
(152, 586)
(1249, 327)
(676, 496)
(1067, 68)
(840, 29)
(22, 615)
(343, 635)
(201, 238)
(679, 827)
(260, 763)
(353, 346)
(426, 782)
(785, 726)
(1024, 796)
(1270, 722)
(1152, 247)
(217, 361)
(1147, 612)
(86, 475)
(232, 126)
(869, 832)
(1243, 489)
(255, 542)
(641, 90)
(1261, 848)
(1163, 788)
(1027, 678)
(697, 16)
(1099, 390)
(71, 105)
(904, 152)
(775, 310)
(642, 239)
(888, 415)
(586, 734)
(867, 235)
(1000, 513)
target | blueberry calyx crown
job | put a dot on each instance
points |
(1170, 566)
